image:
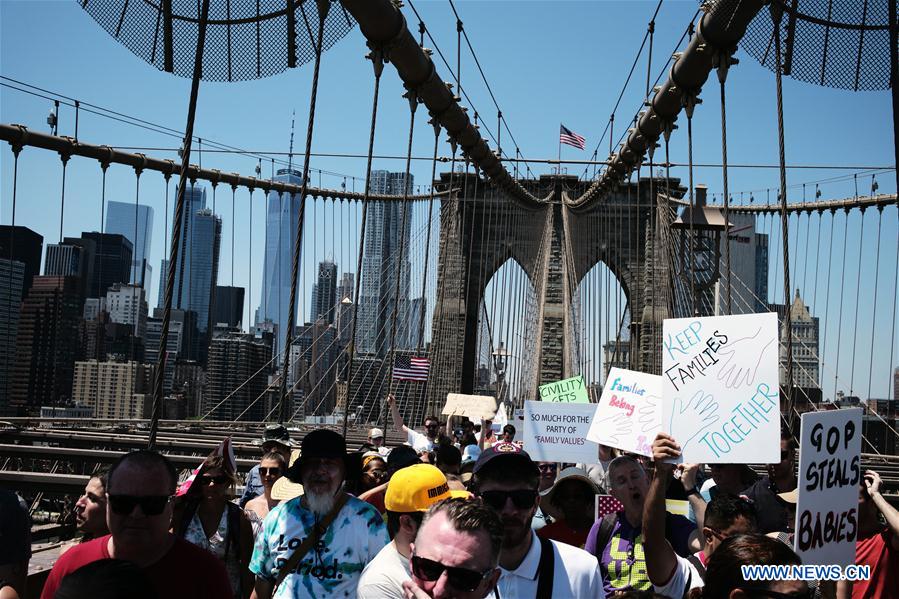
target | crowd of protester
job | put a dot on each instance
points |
(458, 511)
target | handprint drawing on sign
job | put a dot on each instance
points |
(612, 428)
(742, 358)
(690, 418)
(648, 417)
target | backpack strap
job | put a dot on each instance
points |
(700, 569)
(233, 529)
(545, 570)
(606, 526)
(317, 531)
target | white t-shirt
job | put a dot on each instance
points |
(418, 441)
(383, 577)
(575, 574)
(684, 578)
(332, 567)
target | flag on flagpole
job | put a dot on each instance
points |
(569, 137)
(406, 368)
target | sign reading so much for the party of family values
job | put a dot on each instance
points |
(720, 378)
(629, 413)
(555, 432)
(829, 475)
(572, 390)
(475, 407)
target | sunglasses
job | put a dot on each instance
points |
(542, 467)
(521, 499)
(432, 425)
(273, 471)
(806, 594)
(150, 505)
(216, 480)
(461, 579)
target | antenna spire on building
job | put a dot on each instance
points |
(290, 151)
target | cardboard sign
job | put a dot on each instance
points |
(572, 390)
(829, 475)
(474, 407)
(556, 432)
(721, 400)
(629, 413)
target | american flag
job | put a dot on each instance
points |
(606, 504)
(406, 368)
(569, 137)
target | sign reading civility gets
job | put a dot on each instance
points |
(829, 475)
(556, 432)
(721, 401)
(572, 390)
(628, 415)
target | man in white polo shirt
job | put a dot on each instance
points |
(420, 442)
(506, 479)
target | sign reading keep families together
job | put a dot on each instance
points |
(720, 378)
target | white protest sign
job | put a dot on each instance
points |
(475, 407)
(721, 401)
(829, 475)
(557, 432)
(629, 413)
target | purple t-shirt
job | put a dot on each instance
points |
(622, 562)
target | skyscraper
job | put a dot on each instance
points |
(280, 236)
(114, 389)
(229, 306)
(196, 272)
(111, 261)
(127, 304)
(386, 247)
(125, 219)
(325, 303)
(46, 344)
(12, 275)
(237, 377)
(25, 246)
(748, 265)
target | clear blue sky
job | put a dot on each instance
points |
(547, 62)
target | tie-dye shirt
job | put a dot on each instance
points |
(331, 568)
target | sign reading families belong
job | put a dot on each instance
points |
(720, 377)
(572, 390)
(829, 475)
(629, 413)
(555, 432)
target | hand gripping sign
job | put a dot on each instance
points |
(829, 475)
(720, 377)
(628, 415)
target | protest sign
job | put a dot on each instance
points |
(572, 390)
(474, 407)
(628, 415)
(829, 475)
(721, 401)
(556, 432)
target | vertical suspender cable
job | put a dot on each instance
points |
(858, 281)
(836, 370)
(725, 61)
(323, 7)
(874, 309)
(784, 222)
(176, 228)
(377, 59)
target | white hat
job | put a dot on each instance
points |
(471, 453)
(375, 433)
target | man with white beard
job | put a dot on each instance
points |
(317, 544)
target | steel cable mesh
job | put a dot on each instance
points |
(245, 39)
(835, 44)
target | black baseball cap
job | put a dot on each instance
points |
(500, 454)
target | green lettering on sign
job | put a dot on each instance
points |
(571, 390)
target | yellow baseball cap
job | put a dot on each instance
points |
(416, 488)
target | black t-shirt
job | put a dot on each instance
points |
(770, 510)
(15, 530)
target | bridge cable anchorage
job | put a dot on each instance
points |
(323, 8)
(377, 58)
(382, 22)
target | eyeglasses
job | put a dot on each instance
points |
(806, 594)
(274, 471)
(521, 498)
(432, 425)
(217, 480)
(150, 505)
(461, 579)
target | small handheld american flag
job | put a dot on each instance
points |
(606, 504)
(570, 138)
(407, 368)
